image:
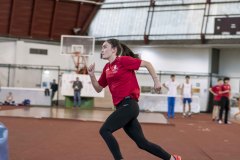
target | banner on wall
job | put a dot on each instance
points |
(87, 90)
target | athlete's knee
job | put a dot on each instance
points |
(143, 144)
(104, 131)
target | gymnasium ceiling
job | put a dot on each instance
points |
(46, 19)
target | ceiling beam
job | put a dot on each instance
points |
(89, 19)
(32, 17)
(79, 14)
(11, 17)
(85, 1)
(53, 20)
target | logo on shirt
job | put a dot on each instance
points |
(115, 69)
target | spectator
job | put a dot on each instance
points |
(172, 87)
(215, 90)
(9, 99)
(54, 88)
(225, 99)
(238, 113)
(187, 93)
(77, 87)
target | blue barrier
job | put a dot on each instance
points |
(3, 142)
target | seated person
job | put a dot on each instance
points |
(238, 113)
(9, 99)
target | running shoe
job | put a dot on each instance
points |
(228, 122)
(184, 114)
(177, 157)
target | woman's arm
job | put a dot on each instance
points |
(182, 90)
(151, 70)
(164, 85)
(93, 78)
(210, 90)
(226, 91)
(191, 90)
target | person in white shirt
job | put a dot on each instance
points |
(172, 87)
(186, 93)
(9, 99)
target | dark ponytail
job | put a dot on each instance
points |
(127, 51)
(122, 49)
(115, 44)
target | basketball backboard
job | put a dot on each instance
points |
(85, 45)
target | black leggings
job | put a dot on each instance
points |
(224, 106)
(125, 117)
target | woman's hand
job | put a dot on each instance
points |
(91, 69)
(157, 85)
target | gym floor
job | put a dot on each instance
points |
(51, 138)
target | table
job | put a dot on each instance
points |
(158, 103)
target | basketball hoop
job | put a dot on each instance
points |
(80, 62)
(80, 48)
(76, 54)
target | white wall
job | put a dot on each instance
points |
(19, 53)
(229, 65)
(7, 52)
(7, 56)
(53, 58)
(194, 60)
(175, 59)
(230, 62)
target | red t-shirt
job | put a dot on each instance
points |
(226, 87)
(217, 89)
(121, 79)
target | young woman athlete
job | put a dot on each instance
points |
(119, 75)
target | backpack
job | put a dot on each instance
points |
(26, 102)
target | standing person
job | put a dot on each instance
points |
(54, 88)
(216, 90)
(172, 87)
(77, 87)
(119, 75)
(225, 99)
(238, 113)
(187, 93)
(9, 99)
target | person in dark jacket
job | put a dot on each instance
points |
(77, 87)
(54, 88)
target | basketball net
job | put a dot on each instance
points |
(80, 63)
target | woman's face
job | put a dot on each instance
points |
(108, 51)
(226, 82)
(220, 82)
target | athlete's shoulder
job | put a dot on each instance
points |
(106, 66)
(124, 58)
